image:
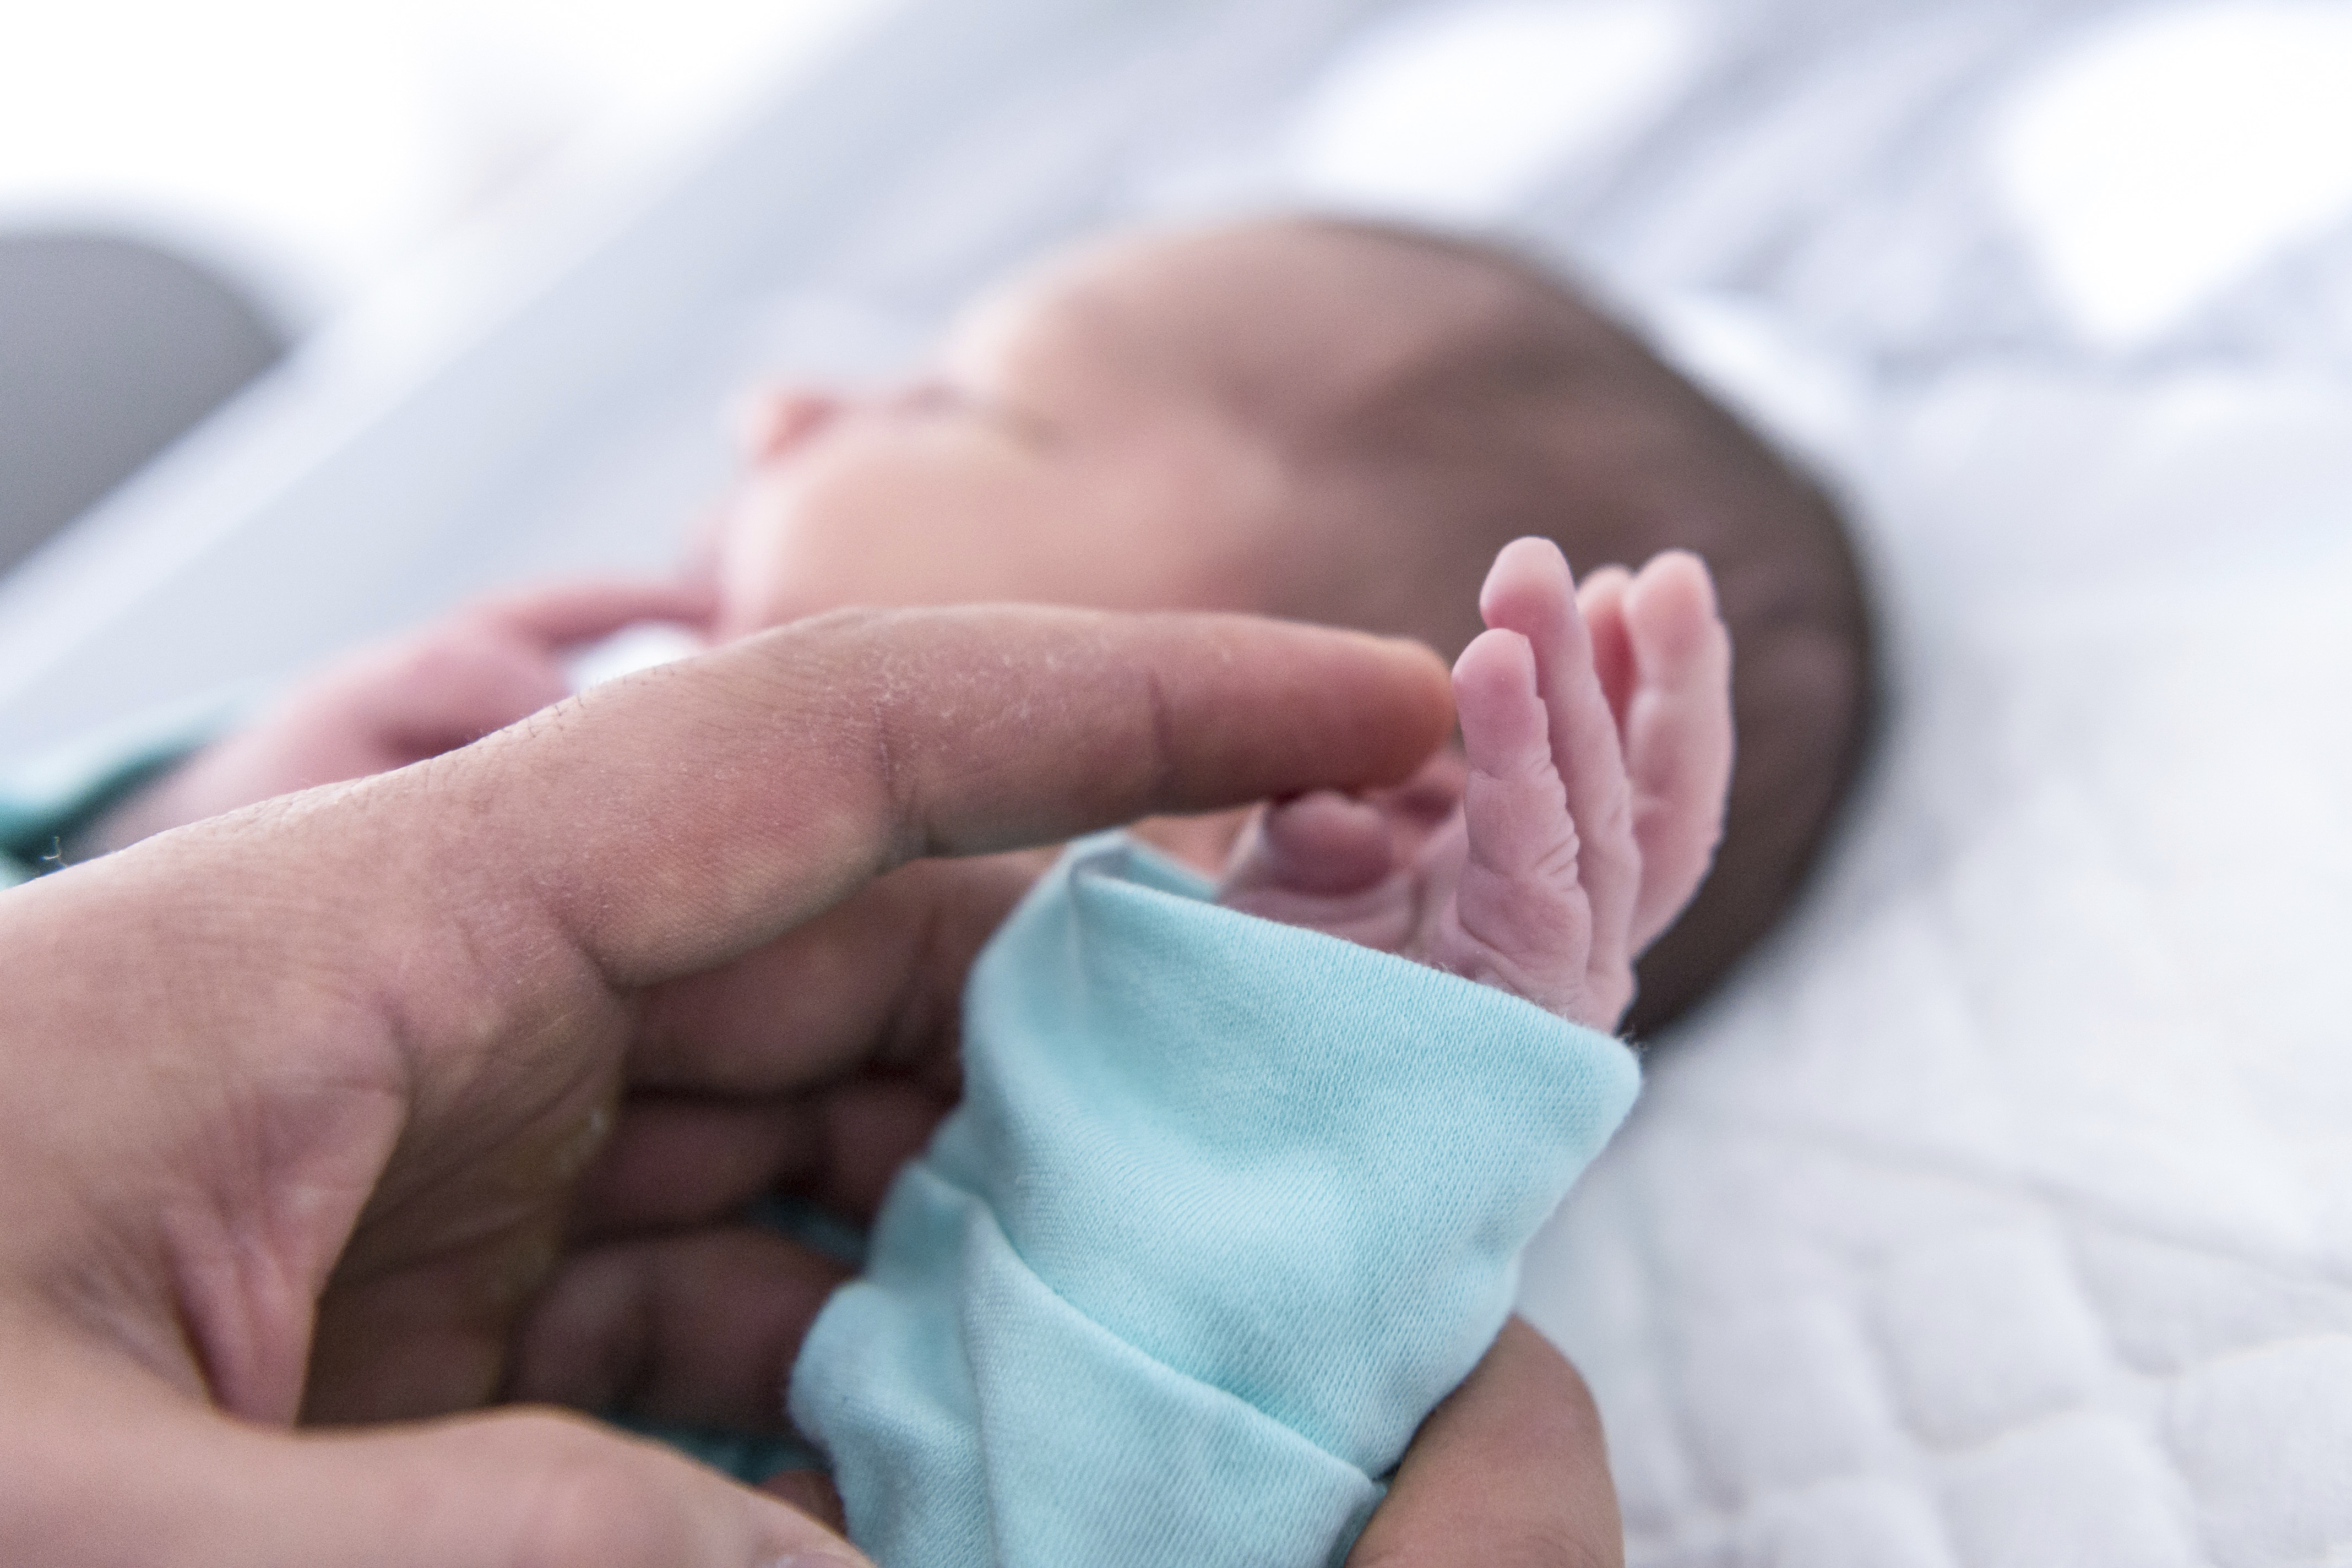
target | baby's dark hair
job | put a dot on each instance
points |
(1527, 410)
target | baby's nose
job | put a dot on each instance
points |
(772, 422)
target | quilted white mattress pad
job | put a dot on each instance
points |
(2000, 1213)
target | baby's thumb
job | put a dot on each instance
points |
(520, 1488)
(1322, 845)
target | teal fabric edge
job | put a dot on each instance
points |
(47, 798)
(906, 1349)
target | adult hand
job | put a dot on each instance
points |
(294, 1101)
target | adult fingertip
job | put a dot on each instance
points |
(1278, 709)
(1421, 706)
(1417, 666)
(808, 758)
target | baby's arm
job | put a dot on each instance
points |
(477, 670)
(1597, 741)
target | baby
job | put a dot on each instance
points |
(1228, 1207)
(1329, 421)
(1315, 419)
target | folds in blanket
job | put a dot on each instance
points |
(975, 1418)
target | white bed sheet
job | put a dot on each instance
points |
(2001, 1212)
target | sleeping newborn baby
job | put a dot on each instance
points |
(1329, 421)
(1170, 1251)
(1309, 418)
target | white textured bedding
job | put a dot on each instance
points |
(2002, 1214)
(2000, 1211)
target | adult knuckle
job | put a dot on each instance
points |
(883, 704)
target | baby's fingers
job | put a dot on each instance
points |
(1678, 737)
(1600, 600)
(1324, 844)
(1325, 862)
(1520, 919)
(1530, 591)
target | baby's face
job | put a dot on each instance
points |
(1055, 450)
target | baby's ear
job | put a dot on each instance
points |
(747, 418)
(765, 422)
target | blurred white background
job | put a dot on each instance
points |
(314, 149)
(528, 250)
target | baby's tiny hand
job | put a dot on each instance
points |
(477, 670)
(1598, 743)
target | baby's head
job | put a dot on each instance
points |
(1337, 422)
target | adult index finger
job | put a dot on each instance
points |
(672, 822)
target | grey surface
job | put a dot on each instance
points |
(109, 348)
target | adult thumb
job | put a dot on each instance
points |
(511, 1489)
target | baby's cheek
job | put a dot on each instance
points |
(795, 549)
(867, 526)
(750, 563)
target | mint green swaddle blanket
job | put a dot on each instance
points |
(1228, 1207)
